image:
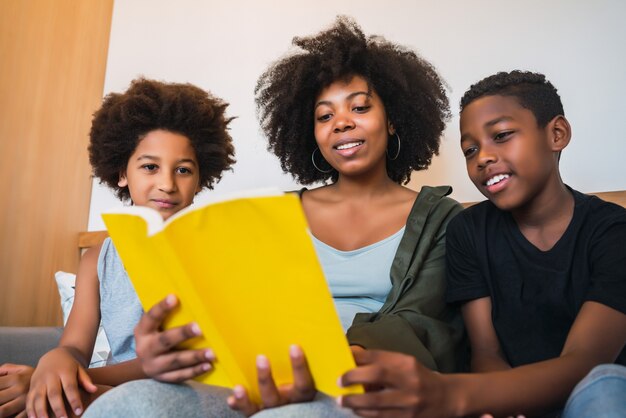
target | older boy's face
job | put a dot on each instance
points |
(508, 156)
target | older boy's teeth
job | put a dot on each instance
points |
(496, 179)
(349, 145)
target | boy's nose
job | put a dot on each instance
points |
(486, 156)
(167, 183)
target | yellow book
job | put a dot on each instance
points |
(246, 271)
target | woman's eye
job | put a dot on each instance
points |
(324, 118)
(361, 109)
(502, 136)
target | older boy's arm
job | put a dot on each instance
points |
(597, 336)
(487, 355)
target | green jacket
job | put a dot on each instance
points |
(415, 318)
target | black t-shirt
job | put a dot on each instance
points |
(536, 295)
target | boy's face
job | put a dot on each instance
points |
(509, 157)
(162, 173)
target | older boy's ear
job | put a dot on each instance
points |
(560, 133)
(123, 181)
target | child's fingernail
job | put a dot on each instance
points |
(209, 354)
(206, 366)
(262, 362)
(339, 382)
(170, 300)
(78, 411)
(339, 400)
(195, 329)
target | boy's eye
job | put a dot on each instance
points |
(149, 167)
(469, 151)
(361, 109)
(503, 136)
(183, 170)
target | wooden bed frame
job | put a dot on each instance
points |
(92, 238)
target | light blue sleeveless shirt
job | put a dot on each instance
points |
(120, 309)
(359, 280)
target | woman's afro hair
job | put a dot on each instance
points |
(124, 119)
(410, 88)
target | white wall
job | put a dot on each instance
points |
(223, 46)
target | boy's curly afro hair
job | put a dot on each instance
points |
(124, 119)
(410, 88)
(531, 90)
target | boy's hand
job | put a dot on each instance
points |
(157, 351)
(398, 385)
(58, 373)
(301, 390)
(14, 384)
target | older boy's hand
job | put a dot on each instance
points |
(301, 390)
(397, 386)
(157, 351)
(14, 384)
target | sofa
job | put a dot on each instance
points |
(25, 345)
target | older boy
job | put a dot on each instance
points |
(539, 268)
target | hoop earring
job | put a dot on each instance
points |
(315, 165)
(395, 157)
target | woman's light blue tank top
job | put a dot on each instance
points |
(120, 308)
(359, 280)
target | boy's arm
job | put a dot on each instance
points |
(117, 374)
(487, 355)
(61, 372)
(597, 336)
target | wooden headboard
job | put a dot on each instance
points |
(92, 238)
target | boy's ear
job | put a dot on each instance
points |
(123, 181)
(560, 133)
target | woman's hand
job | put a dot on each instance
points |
(301, 390)
(157, 351)
(397, 386)
(14, 384)
(58, 377)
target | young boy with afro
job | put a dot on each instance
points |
(156, 145)
(539, 270)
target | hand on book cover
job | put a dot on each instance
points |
(301, 390)
(156, 348)
(395, 382)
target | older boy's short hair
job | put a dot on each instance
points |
(413, 93)
(531, 90)
(124, 119)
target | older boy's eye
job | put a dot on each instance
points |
(502, 136)
(468, 152)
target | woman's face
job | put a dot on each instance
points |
(351, 127)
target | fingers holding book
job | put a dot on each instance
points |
(157, 351)
(301, 390)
